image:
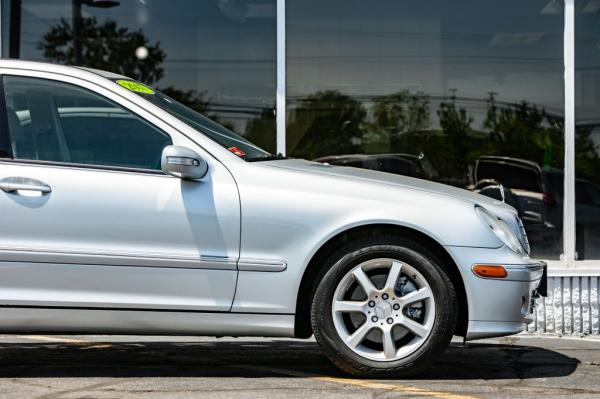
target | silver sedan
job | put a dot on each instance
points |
(126, 212)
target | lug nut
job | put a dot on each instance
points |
(371, 304)
(396, 306)
(390, 320)
(374, 319)
(385, 296)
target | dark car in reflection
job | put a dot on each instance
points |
(534, 191)
(537, 194)
(400, 163)
(587, 196)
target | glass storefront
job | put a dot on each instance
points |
(587, 130)
(216, 56)
(468, 93)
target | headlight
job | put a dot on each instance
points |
(501, 229)
(523, 236)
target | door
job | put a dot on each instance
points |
(89, 220)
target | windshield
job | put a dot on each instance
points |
(223, 136)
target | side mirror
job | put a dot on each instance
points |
(183, 163)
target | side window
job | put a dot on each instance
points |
(54, 121)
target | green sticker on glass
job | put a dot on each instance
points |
(135, 86)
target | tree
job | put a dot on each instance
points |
(525, 131)
(261, 130)
(326, 123)
(105, 46)
(395, 115)
(456, 126)
(587, 159)
(192, 98)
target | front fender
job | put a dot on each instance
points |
(288, 215)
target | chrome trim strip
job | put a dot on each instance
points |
(524, 273)
(261, 265)
(116, 259)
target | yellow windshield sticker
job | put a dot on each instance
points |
(135, 86)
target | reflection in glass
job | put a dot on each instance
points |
(587, 130)
(216, 56)
(471, 88)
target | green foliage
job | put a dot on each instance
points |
(393, 116)
(525, 131)
(456, 126)
(331, 123)
(587, 160)
(105, 46)
(325, 123)
(261, 131)
(192, 98)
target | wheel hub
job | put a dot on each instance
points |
(383, 309)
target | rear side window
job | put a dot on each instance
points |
(511, 176)
(396, 166)
(60, 122)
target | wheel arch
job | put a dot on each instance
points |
(302, 327)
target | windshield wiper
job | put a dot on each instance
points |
(266, 158)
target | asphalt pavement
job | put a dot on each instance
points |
(46, 366)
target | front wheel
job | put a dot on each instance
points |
(384, 308)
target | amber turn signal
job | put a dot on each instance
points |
(490, 271)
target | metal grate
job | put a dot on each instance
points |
(571, 307)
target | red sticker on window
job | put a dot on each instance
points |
(237, 151)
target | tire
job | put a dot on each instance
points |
(390, 349)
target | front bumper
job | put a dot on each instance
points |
(504, 306)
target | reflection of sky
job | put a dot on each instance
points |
(224, 47)
(364, 48)
(587, 61)
(508, 47)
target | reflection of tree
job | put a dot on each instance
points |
(192, 98)
(105, 46)
(456, 126)
(110, 47)
(260, 130)
(525, 131)
(331, 123)
(195, 100)
(395, 115)
(587, 160)
(325, 123)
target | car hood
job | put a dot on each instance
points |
(390, 179)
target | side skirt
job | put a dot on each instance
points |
(143, 322)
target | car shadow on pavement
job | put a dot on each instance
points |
(255, 359)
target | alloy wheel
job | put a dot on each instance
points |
(383, 309)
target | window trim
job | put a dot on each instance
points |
(4, 125)
(569, 256)
(83, 166)
(4, 129)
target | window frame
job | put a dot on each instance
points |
(6, 134)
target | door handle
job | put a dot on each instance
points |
(12, 185)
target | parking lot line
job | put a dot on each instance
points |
(366, 384)
(360, 383)
(394, 388)
(46, 338)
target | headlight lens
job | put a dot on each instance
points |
(501, 229)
